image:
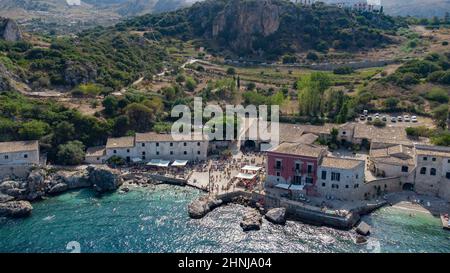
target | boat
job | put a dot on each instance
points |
(445, 221)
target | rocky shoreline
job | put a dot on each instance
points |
(16, 195)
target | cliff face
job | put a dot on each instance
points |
(245, 19)
(9, 30)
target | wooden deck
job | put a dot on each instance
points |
(444, 223)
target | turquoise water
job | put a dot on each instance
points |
(156, 220)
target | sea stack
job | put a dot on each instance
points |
(9, 30)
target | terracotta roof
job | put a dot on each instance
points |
(120, 142)
(155, 137)
(396, 154)
(96, 151)
(308, 138)
(19, 146)
(341, 163)
(308, 150)
(395, 133)
(433, 150)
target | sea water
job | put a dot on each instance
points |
(155, 219)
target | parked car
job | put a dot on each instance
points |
(365, 113)
(369, 118)
(393, 119)
(362, 117)
(384, 118)
(414, 119)
(406, 118)
(399, 118)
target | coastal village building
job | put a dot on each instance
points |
(433, 171)
(145, 147)
(16, 158)
(393, 160)
(294, 164)
(341, 178)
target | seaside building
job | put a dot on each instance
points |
(433, 171)
(145, 147)
(293, 166)
(341, 178)
(17, 157)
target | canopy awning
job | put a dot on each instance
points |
(297, 187)
(159, 163)
(282, 186)
(251, 168)
(136, 160)
(246, 176)
(179, 163)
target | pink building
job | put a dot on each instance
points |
(294, 166)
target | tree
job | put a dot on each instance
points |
(391, 103)
(440, 115)
(311, 93)
(121, 125)
(190, 84)
(231, 71)
(312, 56)
(71, 153)
(63, 132)
(110, 103)
(140, 116)
(33, 130)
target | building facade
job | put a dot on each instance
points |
(342, 179)
(294, 164)
(19, 153)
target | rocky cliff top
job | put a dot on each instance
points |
(9, 30)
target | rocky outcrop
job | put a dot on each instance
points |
(104, 179)
(72, 179)
(9, 30)
(5, 198)
(276, 216)
(200, 207)
(251, 221)
(77, 73)
(247, 20)
(363, 229)
(15, 209)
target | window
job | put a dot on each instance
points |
(344, 133)
(278, 164)
(323, 184)
(297, 166)
(357, 176)
(335, 176)
(423, 170)
(185, 144)
(297, 180)
(143, 153)
(324, 175)
(6, 156)
(425, 158)
(157, 144)
(185, 152)
(346, 186)
(157, 153)
(448, 160)
(310, 168)
(447, 175)
(171, 152)
(356, 186)
(143, 157)
(171, 144)
(25, 156)
(115, 151)
(433, 159)
(143, 144)
(98, 158)
(198, 144)
(198, 152)
(335, 186)
(433, 171)
(128, 150)
(278, 174)
(405, 169)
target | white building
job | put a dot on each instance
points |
(147, 146)
(19, 153)
(433, 171)
(163, 146)
(18, 157)
(341, 178)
